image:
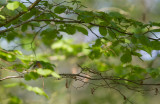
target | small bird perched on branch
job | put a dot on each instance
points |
(37, 65)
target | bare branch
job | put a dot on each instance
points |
(10, 77)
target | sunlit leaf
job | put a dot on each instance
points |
(12, 6)
(11, 85)
(2, 17)
(54, 74)
(37, 90)
(44, 72)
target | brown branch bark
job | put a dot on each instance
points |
(10, 77)
(90, 78)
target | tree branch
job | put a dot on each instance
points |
(21, 13)
(73, 21)
(10, 77)
(90, 78)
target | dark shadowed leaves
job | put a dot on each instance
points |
(60, 9)
(82, 30)
(103, 31)
(126, 57)
(70, 29)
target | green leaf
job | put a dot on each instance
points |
(24, 27)
(111, 33)
(70, 29)
(27, 77)
(135, 76)
(60, 9)
(95, 53)
(23, 7)
(134, 40)
(98, 43)
(54, 74)
(44, 72)
(86, 16)
(12, 6)
(27, 16)
(154, 72)
(155, 30)
(7, 56)
(18, 52)
(14, 100)
(30, 14)
(35, 24)
(18, 67)
(155, 45)
(49, 34)
(37, 90)
(127, 41)
(103, 31)
(136, 54)
(120, 70)
(115, 14)
(144, 40)
(104, 23)
(148, 49)
(101, 66)
(11, 85)
(138, 69)
(126, 57)
(34, 75)
(3, 17)
(82, 30)
(11, 35)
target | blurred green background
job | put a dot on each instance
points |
(77, 93)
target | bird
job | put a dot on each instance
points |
(37, 65)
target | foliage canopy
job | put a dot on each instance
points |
(43, 23)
